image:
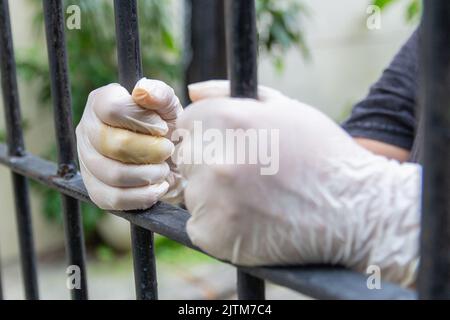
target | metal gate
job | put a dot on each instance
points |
(317, 281)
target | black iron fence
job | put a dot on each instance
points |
(316, 281)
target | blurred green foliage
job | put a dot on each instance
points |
(92, 49)
(280, 28)
(413, 9)
(92, 60)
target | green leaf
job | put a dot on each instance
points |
(280, 29)
(2, 136)
(383, 3)
(413, 10)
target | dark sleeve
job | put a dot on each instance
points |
(387, 114)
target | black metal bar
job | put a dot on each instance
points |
(16, 148)
(9, 85)
(1, 285)
(128, 44)
(434, 274)
(205, 52)
(25, 233)
(62, 104)
(242, 70)
(242, 48)
(130, 71)
(249, 287)
(318, 282)
(144, 263)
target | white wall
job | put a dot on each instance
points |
(346, 56)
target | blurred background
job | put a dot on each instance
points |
(323, 52)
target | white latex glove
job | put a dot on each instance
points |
(330, 202)
(122, 149)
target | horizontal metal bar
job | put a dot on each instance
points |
(321, 282)
(16, 147)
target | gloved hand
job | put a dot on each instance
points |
(122, 145)
(331, 201)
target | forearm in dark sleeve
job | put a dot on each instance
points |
(387, 114)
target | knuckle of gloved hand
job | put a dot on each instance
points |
(166, 92)
(78, 130)
(102, 93)
(159, 90)
(96, 193)
(111, 111)
(119, 201)
(91, 97)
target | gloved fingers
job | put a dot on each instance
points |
(114, 106)
(157, 96)
(177, 184)
(221, 88)
(124, 145)
(113, 198)
(118, 174)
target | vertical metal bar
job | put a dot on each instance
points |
(16, 149)
(128, 43)
(242, 70)
(250, 287)
(205, 52)
(62, 104)
(144, 264)
(1, 285)
(25, 232)
(242, 48)
(434, 274)
(130, 70)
